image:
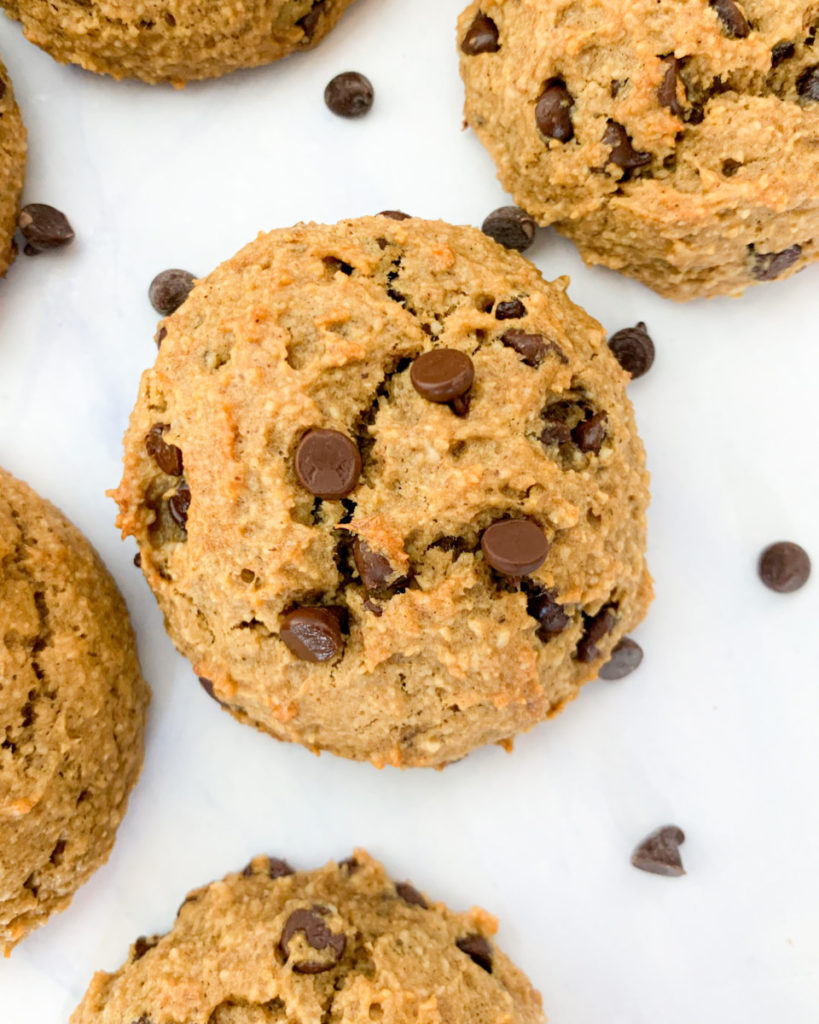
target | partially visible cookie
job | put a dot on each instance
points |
(173, 41)
(12, 167)
(343, 943)
(72, 710)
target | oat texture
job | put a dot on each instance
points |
(318, 327)
(12, 167)
(236, 956)
(676, 142)
(72, 711)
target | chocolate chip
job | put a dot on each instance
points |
(531, 348)
(555, 432)
(623, 153)
(808, 83)
(511, 310)
(667, 93)
(309, 23)
(625, 658)
(770, 265)
(784, 567)
(659, 853)
(138, 559)
(442, 374)
(553, 112)
(141, 947)
(597, 626)
(394, 214)
(207, 686)
(730, 167)
(167, 456)
(590, 434)
(374, 569)
(481, 36)
(349, 865)
(409, 894)
(515, 547)
(733, 20)
(477, 949)
(328, 463)
(312, 633)
(511, 227)
(782, 52)
(43, 228)
(274, 868)
(160, 336)
(169, 289)
(2, 88)
(551, 617)
(633, 349)
(178, 505)
(349, 94)
(318, 936)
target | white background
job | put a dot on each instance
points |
(718, 730)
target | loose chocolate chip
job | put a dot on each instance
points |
(409, 894)
(43, 228)
(531, 348)
(551, 617)
(169, 289)
(312, 633)
(511, 227)
(138, 559)
(318, 936)
(597, 627)
(160, 336)
(373, 568)
(515, 547)
(553, 115)
(623, 153)
(633, 349)
(309, 23)
(659, 853)
(770, 265)
(590, 434)
(394, 214)
(782, 52)
(478, 949)
(511, 310)
(667, 93)
(167, 456)
(808, 83)
(442, 374)
(784, 567)
(141, 947)
(625, 658)
(349, 94)
(328, 463)
(178, 505)
(733, 20)
(481, 36)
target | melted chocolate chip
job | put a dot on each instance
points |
(623, 153)
(375, 570)
(511, 227)
(409, 894)
(167, 456)
(553, 115)
(349, 94)
(169, 290)
(442, 374)
(318, 936)
(625, 658)
(481, 36)
(633, 349)
(312, 633)
(768, 266)
(784, 567)
(667, 92)
(43, 227)
(590, 434)
(328, 463)
(808, 83)
(515, 547)
(477, 949)
(597, 627)
(179, 504)
(659, 853)
(782, 52)
(734, 22)
(511, 310)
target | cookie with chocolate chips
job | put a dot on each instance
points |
(675, 142)
(12, 169)
(388, 490)
(174, 40)
(344, 942)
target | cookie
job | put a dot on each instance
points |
(12, 167)
(387, 489)
(173, 40)
(72, 708)
(344, 943)
(676, 142)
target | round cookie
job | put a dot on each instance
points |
(322, 507)
(12, 168)
(343, 943)
(173, 41)
(72, 711)
(676, 142)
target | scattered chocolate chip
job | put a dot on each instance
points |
(349, 94)
(808, 83)
(515, 547)
(328, 463)
(141, 947)
(659, 853)
(178, 505)
(553, 115)
(169, 289)
(374, 569)
(138, 559)
(770, 265)
(623, 153)
(478, 949)
(43, 228)
(312, 633)
(633, 349)
(511, 227)
(597, 626)
(160, 336)
(551, 617)
(318, 935)
(733, 20)
(784, 567)
(511, 310)
(409, 894)
(442, 374)
(782, 52)
(481, 36)
(394, 214)
(590, 434)
(167, 456)
(667, 92)
(531, 348)
(625, 658)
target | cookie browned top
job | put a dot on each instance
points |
(343, 943)
(420, 644)
(12, 168)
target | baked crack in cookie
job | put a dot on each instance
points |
(12, 168)
(72, 711)
(676, 142)
(344, 943)
(173, 41)
(387, 489)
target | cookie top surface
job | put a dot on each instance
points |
(12, 167)
(343, 943)
(72, 710)
(336, 418)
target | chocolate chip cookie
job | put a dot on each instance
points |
(344, 943)
(676, 142)
(12, 167)
(173, 40)
(387, 489)
(72, 711)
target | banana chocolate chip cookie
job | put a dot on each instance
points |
(72, 711)
(344, 943)
(387, 489)
(12, 167)
(173, 41)
(677, 142)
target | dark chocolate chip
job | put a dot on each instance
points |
(207, 686)
(349, 94)
(511, 227)
(309, 23)
(659, 853)
(784, 567)
(141, 947)
(318, 936)
(274, 868)
(374, 569)
(2, 88)
(733, 20)
(312, 633)
(515, 547)
(169, 289)
(442, 374)
(481, 36)
(335, 264)
(623, 153)
(394, 214)
(633, 349)
(477, 949)
(43, 228)
(349, 865)
(597, 626)
(551, 617)
(511, 310)
(167, 456)
(178, 505)
(328, 463)
(782, 52)
(625, 658)
(138, 559)
(555, 432)
(808, 83)
(531, 348)
(160, 336)
(553, 115)
(667, 92)
(770, 265)
(409, 894)
(590, 434)
(730, 167)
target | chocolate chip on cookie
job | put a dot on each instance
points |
(767, 266)
(781, 52)
(481, 37)
(667, 92)
(179, 504)
(511, 310)
(589, 434)
(659, 853)
(532, 348)
(515, 547)
(312, 633)
(409, 894)
(318, 936)
(551, 616)
(784, 567)
(625, 658)
(272, 867)
(808, 83)
(596, 627)
(328, 464)
(167, 456)
(442, 375)
(553, 112)
(633, 349)
(43, 228)
(141, 947)
(734, 22)
(169, 289)
(478, 949)
(349, 94)
(394, 214)
(511, 227)
(623, 153)
(375, 570)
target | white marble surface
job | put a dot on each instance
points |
(717, 731)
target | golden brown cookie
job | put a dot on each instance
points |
(72, 710)
(344, 943)
(12, 168)
(676, 142)
(173, 41)
(322, 467)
